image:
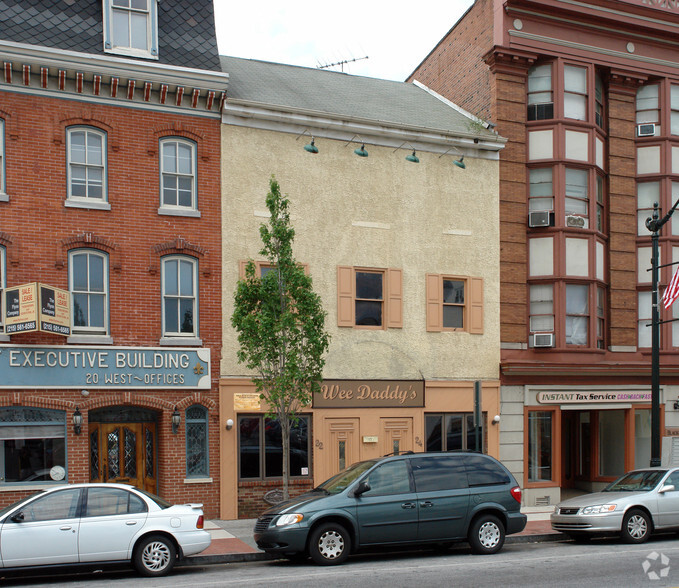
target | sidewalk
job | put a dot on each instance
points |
(232, 541)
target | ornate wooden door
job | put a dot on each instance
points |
(125, 453)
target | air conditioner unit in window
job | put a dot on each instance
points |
(646, 130)
(575, 221)
(542, 340)
(539, 218)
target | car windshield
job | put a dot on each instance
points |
(338, 483)
(636, 481)
(7, 509)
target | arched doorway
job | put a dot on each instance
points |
(123, 446)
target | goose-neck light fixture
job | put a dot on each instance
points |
(309, 147)
(413, 158)
(458, 162)
(361, 152)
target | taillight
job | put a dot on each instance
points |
(516, 493)
(201, 520)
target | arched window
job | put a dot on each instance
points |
(197, 443)
(86, 154)
(178, 175)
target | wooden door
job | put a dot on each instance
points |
(125, 453)
(397, 435)
(344, 447)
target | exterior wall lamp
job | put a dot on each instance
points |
(176, 421)
(77, 421)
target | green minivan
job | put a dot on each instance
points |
(413, 498)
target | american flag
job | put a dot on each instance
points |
(672, 290)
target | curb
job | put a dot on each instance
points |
(226, 558)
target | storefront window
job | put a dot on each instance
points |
(611, 446)
(261, 448)
(446, 432)
(32, 445)
(540, 446)
(642, 437)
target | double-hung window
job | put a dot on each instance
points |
(577, 314)
(180, 298)
(648, 106)
(131, 27)
(369, 297)
(575, 92)
(3, 283)
(86, 149)
(88, 283)
(3, 186)
(197, 462)
(577, 194)
(454, 303)
(540, 100)
(541, 190)
(178, 176)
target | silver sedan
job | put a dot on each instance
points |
(637, 504)
(90, 524)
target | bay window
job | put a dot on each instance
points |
(575, 92)
(540, 101)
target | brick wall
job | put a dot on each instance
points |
(38, 230)
(251, 501)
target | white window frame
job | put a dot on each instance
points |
(111, 7)
(87, 201)
(177, 335)
(89, 330)
(178, 209)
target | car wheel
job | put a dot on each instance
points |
(486, 535)
(154, 556)
(329, 544)
(636, 526)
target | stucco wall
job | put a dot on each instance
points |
(427, 217)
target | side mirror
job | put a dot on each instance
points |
(362, 487)
(18, 517)
(666, 488)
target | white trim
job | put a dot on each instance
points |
(178, 209)
(89, 331)
(86, 201)
(197, 480)
(178, 212)
(183, 341)
(90, 339)
(452, 105)
(179, 336)
(72, 203)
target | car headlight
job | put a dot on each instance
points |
(289, 519)
(598, 509)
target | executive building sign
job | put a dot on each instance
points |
(370, 394)
(136, 368)
(592, 397)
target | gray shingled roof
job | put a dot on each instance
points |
(395, 103)
(186, 28)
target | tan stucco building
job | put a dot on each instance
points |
(404, 255)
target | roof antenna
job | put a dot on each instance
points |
(340, 63)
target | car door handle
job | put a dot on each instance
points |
(408, 505)
(65, 528)
(426, 504)
(130, 522)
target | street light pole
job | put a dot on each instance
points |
(654, 224)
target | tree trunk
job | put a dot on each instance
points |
(284, 420)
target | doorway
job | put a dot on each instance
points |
(123, 447)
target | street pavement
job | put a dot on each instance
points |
(232, 541)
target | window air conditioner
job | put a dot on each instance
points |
(542, 339)
(646, 130)
(575, 221)
(539, 218)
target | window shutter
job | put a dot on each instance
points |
(345, 296)
(476, 306)
(434, 302)
(242, 264)
(395, 298)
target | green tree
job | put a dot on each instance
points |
(281, 325)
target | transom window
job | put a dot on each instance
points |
(131, 27)
(260, 448)
(180, 285)
(197, 446)
(178, 160)
(88, 283)
(86, 164)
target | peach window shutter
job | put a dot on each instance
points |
(242, 264)
(345, 296)
(434, 302)
(395, 298)
(476, 306)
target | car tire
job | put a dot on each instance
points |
(486, 535)
(329, 544)
(636, 526)
(154, 555)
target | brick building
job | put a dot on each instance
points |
(110, 247)
(588, 96)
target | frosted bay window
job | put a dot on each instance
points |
(541, 308)
(575, 92)
(648, 105)
(541, 190)
(576, 193)
(180, 287)
(540, 100)
(647, 194)
(577, 314)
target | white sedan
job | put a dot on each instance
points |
(85, 524)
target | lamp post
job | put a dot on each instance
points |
(654, 224)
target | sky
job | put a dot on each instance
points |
(395, 36)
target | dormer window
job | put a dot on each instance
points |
(131, 27)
